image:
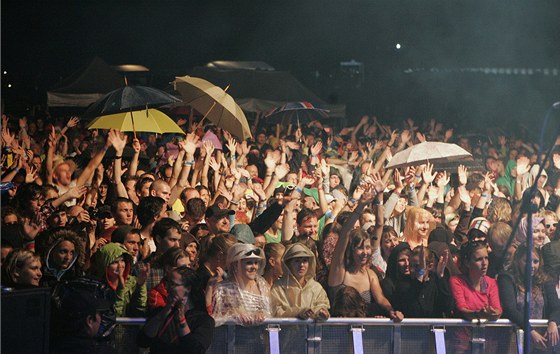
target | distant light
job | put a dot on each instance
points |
(9, 85)
(5, 72)
(398, 46)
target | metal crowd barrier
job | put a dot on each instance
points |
(366, 335)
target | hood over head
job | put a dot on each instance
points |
(298, 250)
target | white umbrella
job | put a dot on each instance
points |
(428, 151)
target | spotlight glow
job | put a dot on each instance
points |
(398, 46)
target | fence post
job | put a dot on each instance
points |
(314, 334)
(274, 338)
(397, 336)
(478, 341)
(230, 339)
(439, 336)
(357, 339)
(519, 336)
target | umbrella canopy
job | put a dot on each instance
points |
(295, 113)
(428, 151)
(129, 98)
(219, 107)
(147, 120)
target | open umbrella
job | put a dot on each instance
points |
(295, 113)
(428, 151)
(147, 120)
(219, 107)
(129, 98)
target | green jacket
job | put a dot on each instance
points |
(131, 299)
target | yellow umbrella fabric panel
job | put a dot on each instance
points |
(150, 120)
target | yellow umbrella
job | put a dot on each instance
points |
(148, 120)
(219, 107)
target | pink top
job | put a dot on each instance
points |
(467, 298)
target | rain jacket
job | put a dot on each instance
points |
(507, 179)
(51, 275)
(131, 299)
(289, 297)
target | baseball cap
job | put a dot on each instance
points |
(215, 211)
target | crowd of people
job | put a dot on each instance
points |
(198, 230)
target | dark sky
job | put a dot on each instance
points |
(43, 41)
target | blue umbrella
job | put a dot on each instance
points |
(295, 113)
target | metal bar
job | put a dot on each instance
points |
(519, 340)
(439, 337)
(274, 338)
(357, 339)
(230, 341)
(314, 338)
(478, 340)
(397, 337)
(345, 321)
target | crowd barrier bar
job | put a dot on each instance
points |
(356, 326)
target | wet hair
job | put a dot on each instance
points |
(349, 303)
(148, 209)
(24, 195)
(357, 237)
(272, 250)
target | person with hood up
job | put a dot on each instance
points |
(297, 293)
(112, 265)
(63, 253)
(245, 296)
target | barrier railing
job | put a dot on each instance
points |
(366, 335)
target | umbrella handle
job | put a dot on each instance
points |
(133, 127)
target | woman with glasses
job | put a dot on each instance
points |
(176, 327)
(545, 300)
(244, 297)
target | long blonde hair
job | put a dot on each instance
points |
(413, 214)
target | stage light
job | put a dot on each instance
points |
(5, 72)
(398, 46)
(9, 85)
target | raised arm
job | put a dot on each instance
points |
(90, 168)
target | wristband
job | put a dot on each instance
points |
(233, 158)
(377, 202)
(421, 272)
(234, 202)
(299, 190)
(118, 157)
(188, 163)
(352, 200)
(484, 195)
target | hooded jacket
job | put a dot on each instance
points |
(131, 299)
(507, 179)
(52, 275)
(289, 297)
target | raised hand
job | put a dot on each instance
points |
(427, 174)
(464, 195)
(432, 192)
(7, 137)
(462, 172)
(443, 179)
(442, 263)
(270, 161)
(522, 165)
(405, 136)
(281, 171)
(377, 182)
(76, 192)
(421, 137)
(208, 147)
(118, 140)
(232, 146)
(73, 122)
(136, 145)
(316, 149)
(448, 134)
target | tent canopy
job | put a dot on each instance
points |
(85, 86)
(257, 87)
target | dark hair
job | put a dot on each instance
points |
(141, 182)
(148, 209)
(468, 249)
(162, 227)
(114, 206)
(24, 195)
(305, 213)
(387, 232)
(195, 208)
(539, 278)
(170, 257)
(357, 237)
(215, 245)
(349, 303)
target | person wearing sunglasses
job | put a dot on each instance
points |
(550, 222)
(245, 296)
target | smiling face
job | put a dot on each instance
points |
(534, 265)
(362, 253)
(30, 272)
(539, 234)
(422, 225)
(249, 269)
(403, 263)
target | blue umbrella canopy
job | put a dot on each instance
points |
(295, 113)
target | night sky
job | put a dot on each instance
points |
(43, 41)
